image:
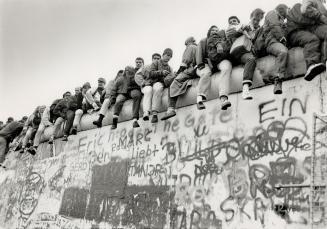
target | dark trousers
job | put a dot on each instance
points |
(310, 40)
(70, 115)
(135, 95)
(249, 61)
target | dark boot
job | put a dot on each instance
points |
(98, 122)
(154, 118)
(201, 106)
(168, 115)
(74, 131)
(136, 124)
(278, 86)
(314, 70)
(114, 123)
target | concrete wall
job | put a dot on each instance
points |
(201, 169)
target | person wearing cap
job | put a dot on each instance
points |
(81, 101)
(275, 43)
(235, 30)
(156, 77)
(31, 126)
(7, 135)
(125, 88)
(212, 56)
(307, 28)
(109, 100)
(185, 75)
(95, 96)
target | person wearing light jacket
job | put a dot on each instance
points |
(307, 28)
(31, 126)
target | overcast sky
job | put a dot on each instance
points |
(50, 46)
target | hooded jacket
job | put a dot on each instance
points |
(306, 15)
(11, 131)
(125, 83)
(274, 27)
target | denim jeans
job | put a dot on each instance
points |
(152, 97)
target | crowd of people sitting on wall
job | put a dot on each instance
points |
(303, 25)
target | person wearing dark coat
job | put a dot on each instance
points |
(185, 75)
(275, 43)
(66, 109)
(7, 135)
(212, 56)
(59, 113)
(307, 28)
(125, 88)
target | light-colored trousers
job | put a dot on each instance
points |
(152, 97)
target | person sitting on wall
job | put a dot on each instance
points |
(242, 55)
(7, 135)
(213, 55)
(125, 88)
(81, 100)
(183, 80)
(47, 120)
(108, 100)
(66, 109)
(94, 97)
(307, 28)
(255, 18)
(153, 85)
(58, 115)
(275, 43)
(31, 126)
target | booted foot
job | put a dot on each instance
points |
(200, 105)
(65, 138)
(168, 115)
(2, 166)
(314, 70)
(97, 123)
(278, 87)
(74, 131)
(51, 140)
(146, 116)
(136, 124)
(154, 119)
(114, 123)
(32, 150)
(246, 95)
(225, 104)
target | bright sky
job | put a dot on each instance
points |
(50, 46)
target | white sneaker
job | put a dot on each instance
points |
(246, 95)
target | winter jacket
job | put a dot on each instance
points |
(33, 121)
(53, 116)
(61, 109)
(189, 56)
(202, 53)
(274, 27)
(11, 131)
(125, 83)
(305, 16)
(156, 72)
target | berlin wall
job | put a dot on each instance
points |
(200, 169)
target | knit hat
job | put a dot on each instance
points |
(189, 40)
(86, 85)
(233, 17)
(102, 80)
(168, 52)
